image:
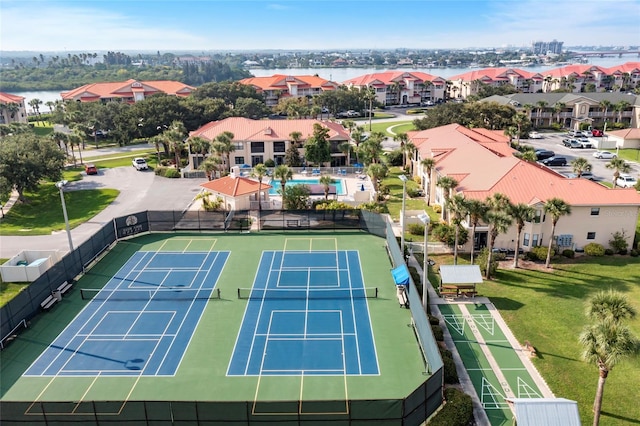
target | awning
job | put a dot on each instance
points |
(400, 275)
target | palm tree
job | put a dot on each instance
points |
(35, 104)
(402, 138)
(346, 148)
(608, 340)
(447, 183)
(357, 136)
(529, 156)
(284, 173)
(410, 150)
(541, 106)
(428, 165)
(619, 166)
(457, 206)
(370, 96)
(499, 223)
(376, 172)
(557, 108)
(175, 135)
(605, 105)
(477, 211)
(59, 137)
(519, 120)
(520, 213)
(210, 165)
(326, 181)
(259, 171)
(620, 107)
(580, 165)
(223, 145)
(557, 208)
(296, 138)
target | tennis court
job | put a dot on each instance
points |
(141, 322)
(237, 327)
(307, 315)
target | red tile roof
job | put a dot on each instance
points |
(471, 157)
(495, 74)
(245, 129)
(235, 186)
(389, 77)
(8, 98)
(282, 82)
(629, 67)
(125, 89)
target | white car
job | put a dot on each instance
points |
(626, 181)
(604, 155)
(535, 135)
(140, 163)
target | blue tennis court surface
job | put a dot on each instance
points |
(307, 314)
(141, 322)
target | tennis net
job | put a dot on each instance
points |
(152, 294)
(307, 293)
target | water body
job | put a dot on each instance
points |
(342, 74)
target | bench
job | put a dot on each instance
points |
(468, 293)
(401, 294)
(448, 294)
(48, 302)
(64, 287)
(293, 223)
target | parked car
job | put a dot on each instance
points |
(571, 143)
(575, 133)
(543, 154)
(586, 133)
(427, 103)
(140, 163)
(583, 175)
(585, 143)
(604, 155)
(535, 135)
(554, 161)
(626, 181)
(90, 169)
(597, 133)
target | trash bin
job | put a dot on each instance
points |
(57, 294)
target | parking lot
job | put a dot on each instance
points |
(553, 142)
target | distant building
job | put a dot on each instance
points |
(545, 47)
(130, 91)
(400, 87)
(280, 86)
(12, 109)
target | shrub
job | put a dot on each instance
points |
(414, 192)
(269, 163)
(437, 333)
(608, 252)
(482, 258)
(457, 411)
(634, 253)
(450, 372)
(416, 229)
(417, 180)
(434, 320)
(447, 234)
(594, 249)
(623, 251)
(618, 242)
(373, 207)
(540, 253)
(395, 157)
(172, 173)
(568, 253)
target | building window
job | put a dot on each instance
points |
(595, 211)
(240, 161)
(238, 146)
(536, 218)
(525, 241)
(535, 242)
(256, 159)
(257, 146)
(278, 147)
(591, 235)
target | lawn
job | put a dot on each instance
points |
(43, 213)
(398, 127)
(547, 309)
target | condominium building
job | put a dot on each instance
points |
(401, 88)
(129, 91)
(281, 86)
(12, 109)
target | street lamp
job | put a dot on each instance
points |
(404, 179)
(425, 219)
(60, 185)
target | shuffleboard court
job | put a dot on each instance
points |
(141, 322)
(307, 315)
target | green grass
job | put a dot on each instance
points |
(43, 213)
(394, 203)
(398, 127)
(547, 309)
(9, 290)
(628, 154)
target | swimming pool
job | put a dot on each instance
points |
(275, 185)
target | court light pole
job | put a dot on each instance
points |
(61, 185)
(404, 179)
(425, 219)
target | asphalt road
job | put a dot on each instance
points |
(138, 191)
(553, 142)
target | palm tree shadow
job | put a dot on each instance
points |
(619, 417)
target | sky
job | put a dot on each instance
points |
(217, 25)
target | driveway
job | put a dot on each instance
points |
(138, 191)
